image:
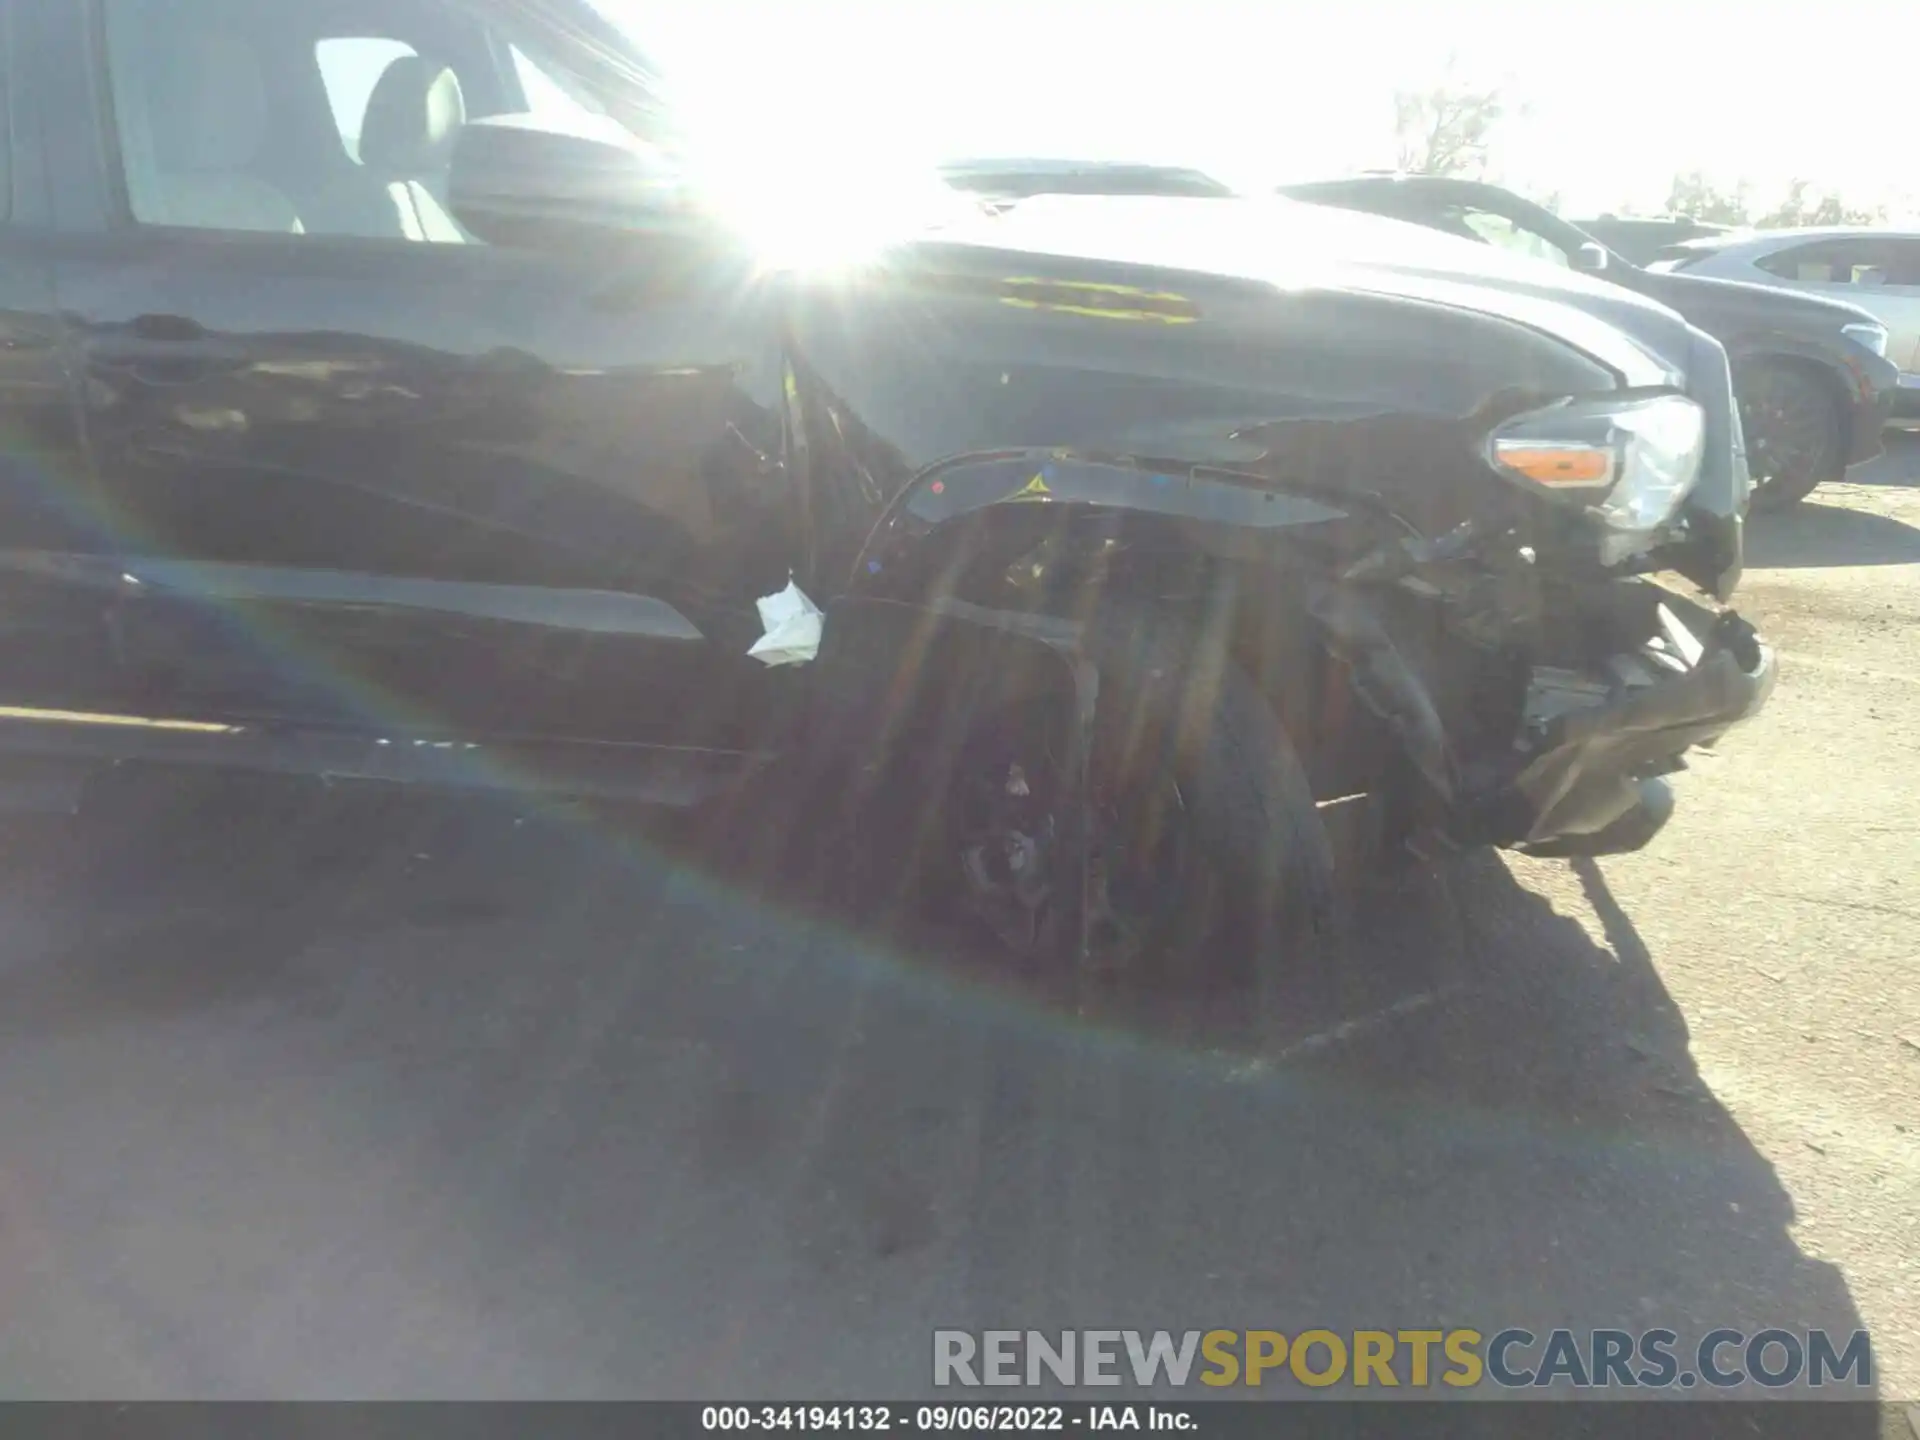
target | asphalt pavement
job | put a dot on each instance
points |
(340, 1098)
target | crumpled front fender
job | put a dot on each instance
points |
(969, 485)
(916, 551)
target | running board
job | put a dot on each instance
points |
(592, 612)
(47, 756)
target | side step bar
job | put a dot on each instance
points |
(591, 612)
(46, 757)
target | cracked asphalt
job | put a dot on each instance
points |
(310, 1099)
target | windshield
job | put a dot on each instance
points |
(1691, 252)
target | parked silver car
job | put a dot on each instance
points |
(1878, 270)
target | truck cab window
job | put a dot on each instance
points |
(197, 118)
(338, 117)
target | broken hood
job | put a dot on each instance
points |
(1277, 245)
(1277, 340)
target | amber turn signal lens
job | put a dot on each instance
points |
(1581, 466)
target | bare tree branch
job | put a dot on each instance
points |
(1445, 130)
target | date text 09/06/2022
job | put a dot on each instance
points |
(935, 1419)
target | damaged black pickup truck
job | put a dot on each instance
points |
(443, 431)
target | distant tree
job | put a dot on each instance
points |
(1791, 211)
(1833, 211)
(1445, 130)
(1693, 196)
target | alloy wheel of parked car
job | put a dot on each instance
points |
(1794, 430)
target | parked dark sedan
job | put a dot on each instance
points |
(469, 440)
(1812, 375)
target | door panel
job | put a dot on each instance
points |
(1898, 304)
(1898, 308)
(1892, 306)
(54, 647)
(466, 413)
(428, 420)
(452, 415)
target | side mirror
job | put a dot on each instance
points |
(1590, 258)
(511, 183)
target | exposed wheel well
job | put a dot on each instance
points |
(1242, 589)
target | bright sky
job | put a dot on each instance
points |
(1614, 96)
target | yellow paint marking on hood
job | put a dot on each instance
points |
(144, 722)
(1100, 300)
(1094, 285)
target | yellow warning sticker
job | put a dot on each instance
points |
(1034, 489)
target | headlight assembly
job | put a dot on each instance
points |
(1628, 463)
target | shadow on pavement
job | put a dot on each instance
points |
(1900, 465)
(554, 1111)
(1812, 534)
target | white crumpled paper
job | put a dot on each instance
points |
(793, 628)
